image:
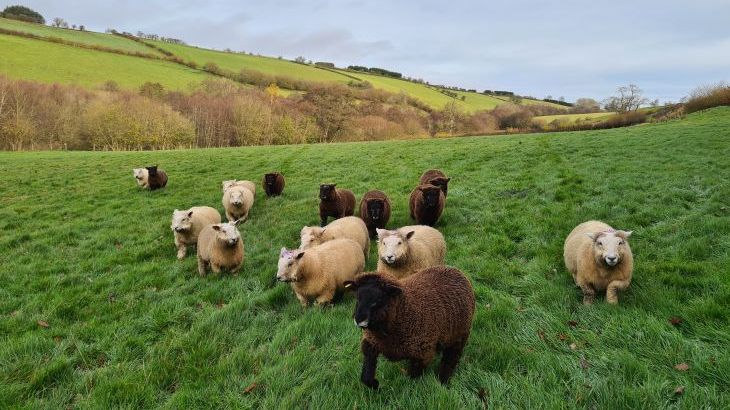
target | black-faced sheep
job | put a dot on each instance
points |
(599, 258)
(427, 204)
(220, 247)
(349, 227)
(273, 184)
(319, 272)
(156, 178)
(141, 175)
(336, 203)
(375, 211)
(187, 224)
(413, 318)
(238, 198)
(436, 177)
(409, 249)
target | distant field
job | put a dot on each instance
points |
(96, 312)
(39, 60)
(85, 37)
(592, 117)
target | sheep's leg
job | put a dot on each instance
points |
(613, 288)
(201, 266)
(449, 359)
(181, 248)
(416, 368)
(325, 298)
(215, 268)
(589, 294)
(322, 220)
(234, 270)
(369, 364)
(302, 299)
(230, 216)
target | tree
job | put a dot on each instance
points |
(629, 98)
(300, 60)
(23, 14)
(73, 26)
(82, 28)
(585, 105)
(59, 22)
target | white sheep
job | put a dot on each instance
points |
(238, 198)
(599, 258)
(350, 227)
(318, 272)
(405, 251)
(220, 246)
(187, 224)
(141, 175)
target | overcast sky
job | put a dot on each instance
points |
(571, 48)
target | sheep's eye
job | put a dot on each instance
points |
(600, 243)
(399, 242)
(621, 242)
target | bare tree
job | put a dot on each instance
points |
(585, 105)
(58, 22)
(628, 98)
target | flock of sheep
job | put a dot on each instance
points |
(413, 306)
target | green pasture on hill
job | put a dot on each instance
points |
(96, 312)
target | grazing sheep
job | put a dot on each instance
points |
(334, 202)
(187, 224)
(317, 273)
(407, 250)
(427, 203)
(599, 258)
(220, 247)
(141, 175)
(412, 319)
(238, 198)
(156, 178)
(349, 227)
(273, 184)
(436, 177)
(375, 210)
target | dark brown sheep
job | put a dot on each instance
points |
(375, 211)
(336, 203)
(157, 178)
(273, 184)
(427, 203)
(436, 177)
(413, 318)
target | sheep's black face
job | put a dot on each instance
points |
(442, 183)
(376, 209)
(431, 197)
(370, 302)
(326, 191)
(152, 170)
(270, 179)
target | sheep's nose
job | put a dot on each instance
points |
(611, 259)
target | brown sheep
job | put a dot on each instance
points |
(599, 258)
(273, 184)
(156, 178)
(375, 211)
(436, 177)
(336, 203)
(407, 250)
(350, 227)
(427, 203)
(220, 246)
(319, 272)
(413, 318)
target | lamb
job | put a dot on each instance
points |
(336, 203)
(187, 224)
(156, 178)
(375, 210)
(350, 227)
(436, 177)
(599, 258)
(273, 184)
(412, 319)
(238, 198)
(141, 175)
(407, 250)
(317, 273)
(220, 247)
(427, 203)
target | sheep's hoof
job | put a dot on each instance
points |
(587, 300)
(373, 384)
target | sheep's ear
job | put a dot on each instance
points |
(409, 235)
(282, 252)
(448, 179)
(591, 235)
(299, 255)
(237, 221)
(393, 290)
(380, 232)
(216, 227)
(624, 234)
(350, 285)
(189, 213)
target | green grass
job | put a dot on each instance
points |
(129, 326)
(589, 117)
(39, 60)
(84, 37)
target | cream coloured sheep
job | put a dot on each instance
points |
(350, 227)
(599, 258)
(220, 246)
(238, 198)
(141, 175)
(187, 224)
(318, 272)
(407, 250)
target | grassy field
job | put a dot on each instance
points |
(84, 37)
(39, 60)
(592, 117)
(95, 312)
